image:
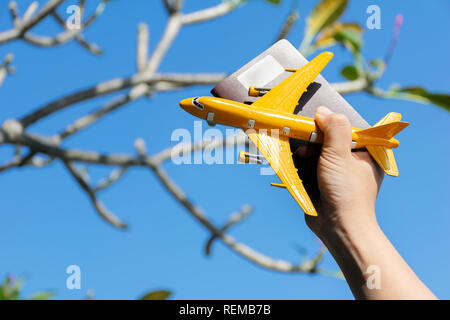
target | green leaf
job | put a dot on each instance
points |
(324, 14)
(157, 295)
(342, 32)
(439, 99)
(351, 36)
(44, 295)
(11, 287)
(274, 1)
(350, 72)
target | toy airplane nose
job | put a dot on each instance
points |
(186, 103)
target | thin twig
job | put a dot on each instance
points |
(29, 12)
(91, 47)
(12, 6)
(208, 13)
(235, 218)
(142, 46)
(68, 34)
(96, 115)
(189, 147)
(98, 205)
(24, 25)
(350, 86)
(113, 177)
(168, 6)
(288, 24)
(170, 32)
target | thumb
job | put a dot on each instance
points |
(337, 132)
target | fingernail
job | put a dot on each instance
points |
(323, 111)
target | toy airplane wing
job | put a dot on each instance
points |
(277, 152)
(284, 97)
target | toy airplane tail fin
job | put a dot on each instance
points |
(386, 128)
(385, 159)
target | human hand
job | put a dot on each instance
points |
(347, 182)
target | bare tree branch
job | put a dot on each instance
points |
(25, 24)
(235, 218)
(288, 24)
(6, 68)
(11, 133)
(119, 84)
(240, 248)
(45, 41)
(176, 21)
(350, 86)
(29, 160)
(177, 4)
(170, 32)
(142, 46)
(188, 147)
(12, 6)
(91, 47)
(208, 13)
(168, 6)
(113, 177)
(21, 26)
(68, 34)
(15, 160)
(91, 118)
(29, 12)
(98, 205)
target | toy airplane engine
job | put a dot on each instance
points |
(274, 110)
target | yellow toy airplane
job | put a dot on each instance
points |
(274, 112)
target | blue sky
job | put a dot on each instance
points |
(48, 223)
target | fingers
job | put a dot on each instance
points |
(307, 151)
(337, 132)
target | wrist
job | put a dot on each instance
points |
(349, 225)
(353, 248)
(362, 245)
